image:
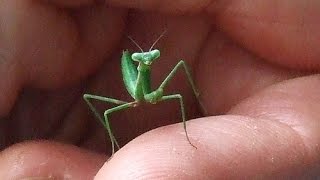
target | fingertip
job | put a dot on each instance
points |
(227, 147)
(48, 159)
(156, 154)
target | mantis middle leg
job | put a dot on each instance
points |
(189, 77)
(178, 96)
(183, 114)
(104, 121)
(109, 111)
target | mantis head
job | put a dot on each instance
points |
(146, 58)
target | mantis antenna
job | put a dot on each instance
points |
(155, 42)
(134, 42)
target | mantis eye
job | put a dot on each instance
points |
(136, 56)
(155, 53)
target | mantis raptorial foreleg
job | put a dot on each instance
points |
(104, 120)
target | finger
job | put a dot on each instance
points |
(16, 50)
(297, 107)
(279, 141)
(42, 159)
(100, 29)
(64, 44)
(227, 73)
(280, 32)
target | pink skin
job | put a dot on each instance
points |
(253, 63)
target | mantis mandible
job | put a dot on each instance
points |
(137, 82)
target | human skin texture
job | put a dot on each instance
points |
(255, 64)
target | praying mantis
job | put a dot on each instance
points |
(137, 81)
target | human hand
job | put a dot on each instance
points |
(235, 48)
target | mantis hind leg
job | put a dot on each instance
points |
(183, 115)
(87, 98)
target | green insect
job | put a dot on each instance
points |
(137, 82)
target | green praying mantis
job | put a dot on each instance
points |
(137, 81)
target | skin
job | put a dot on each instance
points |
(254, 62)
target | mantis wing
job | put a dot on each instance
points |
(129, 72)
